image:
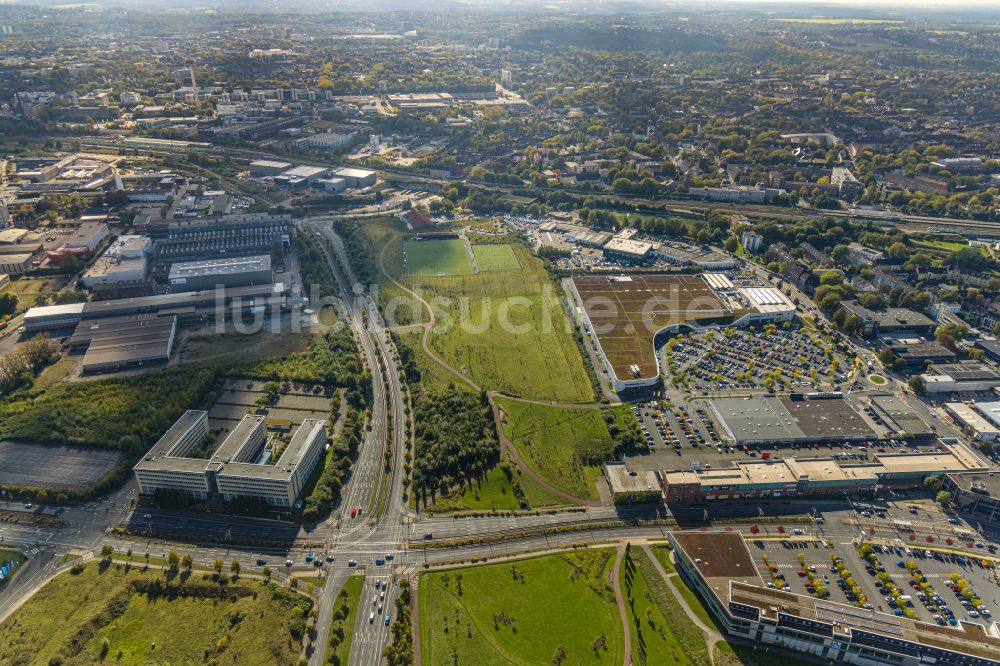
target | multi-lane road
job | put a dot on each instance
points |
(385, 526)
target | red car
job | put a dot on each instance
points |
(354, 512)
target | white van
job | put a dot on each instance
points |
(371, 618)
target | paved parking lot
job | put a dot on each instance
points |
(906, 568)
(772, 356)
(799, 563)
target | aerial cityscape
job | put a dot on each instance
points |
(464, 333)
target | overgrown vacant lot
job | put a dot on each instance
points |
(93, 615)
(564, 445)
(522, 612)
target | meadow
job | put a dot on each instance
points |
(515, 338)
(99, 614)
(495, 492)
(564, 445)
(660, 633)
(523, 612)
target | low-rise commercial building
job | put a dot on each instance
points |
(259, 168)
(889, 320)
(977, 493)
(329, 140)
(802, 477)
(87, 236)
(15, 264)
(972, 421)
(241, 467)
(118, 343)
(961, 377)
(755, 420)
(631, 486)
(190, 306)
(629, 250)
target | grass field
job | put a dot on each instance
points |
(508, 332)
(533, 357)
(95, 616)
(487, 617)
(344, 619)
(32, 291)
(495, 492)
(943, 246)
(495, 258)
(653, 637)
(437, 257)
(662, 553)
(562, 445)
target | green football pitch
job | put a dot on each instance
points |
(495, 258)
(437, 257)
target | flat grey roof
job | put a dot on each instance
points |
(989, 480)
(890, 317)
(231, 449)
(757, 418)
(897, 412)
(124, 341)
(772, 418)
(225, 266)
(964, 371)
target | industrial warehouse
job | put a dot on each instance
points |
(721, 569)
(240, 467)
(138, 332)
(627, 313)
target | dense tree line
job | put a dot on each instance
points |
(456, 441)
(360, 250)
(111, 413)
(331, 360)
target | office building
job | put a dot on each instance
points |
(752, 241)
(241, 467)
(847, 185)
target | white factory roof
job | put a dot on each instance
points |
(718, 281)
(348, 172)
(227, 266)
(637, 248)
